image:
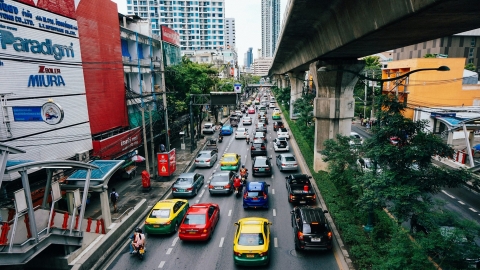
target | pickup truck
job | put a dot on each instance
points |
(300, 189)
(211, 144)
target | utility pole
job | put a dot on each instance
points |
(373, 96)
(365, 100)
(145, 140)
(164, 97)
(192, 131)
(152, 144)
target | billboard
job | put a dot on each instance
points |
(118, 145)
(169, 35)
(223, 98)
(167, 163)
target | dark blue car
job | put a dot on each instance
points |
(226, 130)
(255, 195)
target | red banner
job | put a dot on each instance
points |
(167, 163)
(169, 35)
(118, 145)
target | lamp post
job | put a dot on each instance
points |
(369, 226)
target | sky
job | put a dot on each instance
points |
(248, 22)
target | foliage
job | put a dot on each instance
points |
(304, 107)
(430, 55)
(225, 85)
(282, 94)
(471, 67)
(372, 62)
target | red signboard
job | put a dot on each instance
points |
(167, 163)
(117, 145)
(169, 35)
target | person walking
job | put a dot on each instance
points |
(114, 198)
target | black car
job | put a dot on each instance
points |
(311, 229)
(259, 148)
(261, 127)
(277, 125)
(261, 165)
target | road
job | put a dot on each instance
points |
(168, 252)
(462, 200)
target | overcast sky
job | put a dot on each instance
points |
(248, 22)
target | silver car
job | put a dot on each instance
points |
(241, 133)
(206, 158)
(247, 120)
(187, 185)
(221, 183)
(286, 162)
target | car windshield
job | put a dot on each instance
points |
(203, 155)
(260, 162)
(259, 135)
(289, 159)
(229, 158)
(207, 126)
(194, 220)
(226, 127)
(183, 181)
(160, 213)
(253, 194)
(250, 239)
(314, 228)
(282, 130)
(240, 130)
(220, 178)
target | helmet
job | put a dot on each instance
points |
(138, 230)
(243, 165)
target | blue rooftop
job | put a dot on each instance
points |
(105, 170)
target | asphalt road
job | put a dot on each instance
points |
(168, 252)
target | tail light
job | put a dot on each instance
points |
(264, 196)
(329, 235)
(252, 148)
(182, 231)
(190, 189)
(168, 222)
(284, 164)
(245, 195)
(205, 231)
(146, 223)
(227, 186)
(300, 236)
(174, 189)
(291, 196)
(314, 196)
(263, 148)
(238, 254)
(210, 186)
(267, 168)
(222, 164)
(196, 160)
(263, 254)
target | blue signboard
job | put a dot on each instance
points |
(27, 114)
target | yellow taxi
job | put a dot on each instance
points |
(252, 241)
(230, 162)
(166, 216)
(248, 103)
(276, 115)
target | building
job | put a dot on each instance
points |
(463, 45)
(270, 26)
(248, 58)
(262, 65)
(230, 33)
(201, 24)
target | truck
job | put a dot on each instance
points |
(300, 189)
(211, 144)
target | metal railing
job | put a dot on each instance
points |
(120, 217)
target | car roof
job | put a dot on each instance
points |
(258, 141)
(312, 214)
(199, 208)
(298, 176)
(255, 186)
(227, 173)
(187, 175)
(167, 203)
(229, 154)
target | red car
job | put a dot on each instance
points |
(199, 222)
(251, 110)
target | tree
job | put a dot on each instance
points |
(372, 62)
(430, 55)
(471, 67)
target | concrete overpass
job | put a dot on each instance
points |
(334, 34)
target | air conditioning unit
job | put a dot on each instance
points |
(82, 156)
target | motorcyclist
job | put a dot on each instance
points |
(244, 172)
(138, 240)
(237, 182)
(220, 138)
(247, 139)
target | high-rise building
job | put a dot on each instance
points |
(249, 57)
(201, 24)
(230, 33)
(270, 26)
(262, 65)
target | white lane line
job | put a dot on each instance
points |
(273, 191)
(221, 242)
(271, 177)
(275, 242)
(169, 251)
(201, 194)
(175, 241)
(460, 202)
(230, 212)
(274, 213)
(446, 193)
(162, 263)
(206, 185)
(197, 201)
(473, 210)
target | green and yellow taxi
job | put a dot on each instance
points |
(248, 103)
(252, 241)
(276, 116)
(166, 216)
(230, 162)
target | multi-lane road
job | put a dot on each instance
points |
(168, 252)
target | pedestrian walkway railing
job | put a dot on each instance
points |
(123, 214)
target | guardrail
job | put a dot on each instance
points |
(120, 217)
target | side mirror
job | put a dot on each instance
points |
(309, 177)
(286, 178)
(325, 211)
(291, 212)
(268, 185)
(270, 223)
(236, 223)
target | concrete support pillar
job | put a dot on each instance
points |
(105, 205)
(283, 82)
(334, 104)
(296, 87)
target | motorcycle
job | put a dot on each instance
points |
(220, 139)
(248, 140)
(140, 252)
(238, 191)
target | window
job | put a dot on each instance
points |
(473, 42)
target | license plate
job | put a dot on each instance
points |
(289, 165)
(191, 232)
(201, 161)
(218, 187)
(250, 256)
(316, 239)
(262, 169)
(156, 226)
(302, 201)
(255, 198)
(181, 190)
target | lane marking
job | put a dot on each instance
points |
(169, 251)
(197, 201)
(175, 241)
(271, 177)
(205, 185)
(230, 212)
(221, 242)
(274, 213)
(162, 263)
(446, 193)
(201, 194)
(460, 202)
(273, 191)
(275, 242)
(473, 210)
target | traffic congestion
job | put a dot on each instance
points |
(272, 220)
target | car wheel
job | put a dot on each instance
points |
(175, 229)
(297, 247)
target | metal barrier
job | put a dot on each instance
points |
(120, 217)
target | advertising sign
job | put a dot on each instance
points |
(238, 88)
(167, 163)
(118, 145)
(169, 35)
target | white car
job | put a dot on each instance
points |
(239, 114)
(283, 133)
(208, 128)
(247, 120)
(356, 139)
(272, 105)
(241, 133)
(280, 144)
(276, 110)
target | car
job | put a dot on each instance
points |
(187, 185)
(276, 110)
(234, 120)
(276, 116)
(280, 144)
(258, 148)
(239, 113)
(241, 133)
(356, 139)
(260, 135)
(299, 189)
(226, 130)
(257, 101)
(460, 249)
(286, 162)
(311, 229)
(251, 110)
(263, 119)
(166, 216)
(272, 105)
(247, 120)
(283, 133)
(261, 127)
(255, 195)
(208, 128)
(206, 158)
(251, 241)
(277, 125)
(261, 165)
(199, 222)
(261, 114)
(221, 183)
(230, 162)
(248, 103)
(272, 99)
